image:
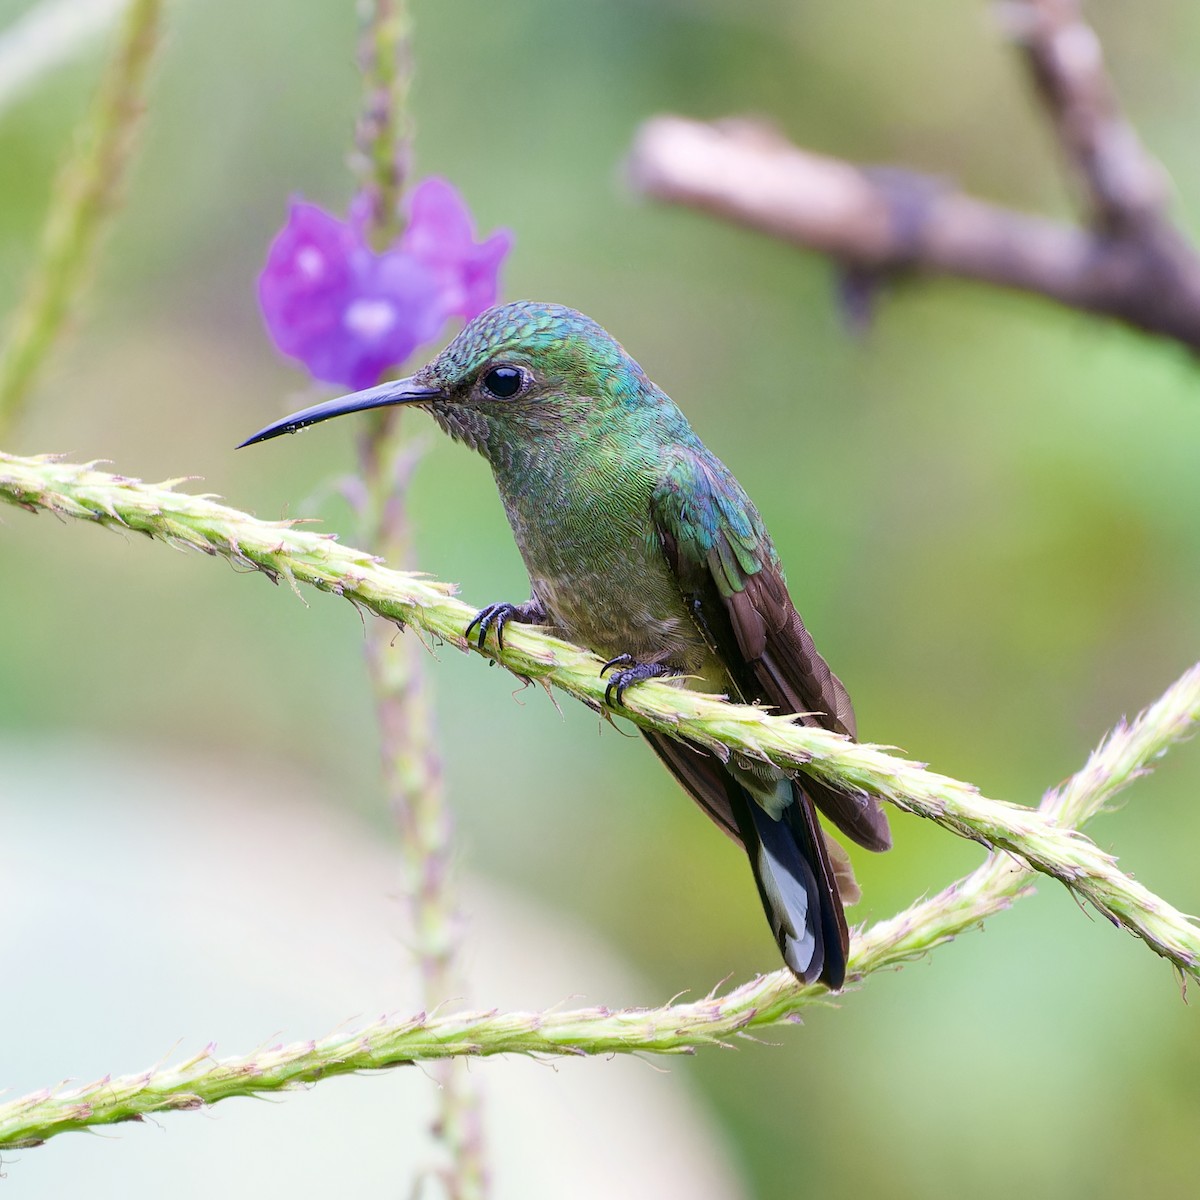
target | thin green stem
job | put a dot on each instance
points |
(672, 1029)
(283, 552)
(412, 771)
(383, 139)
(412, 768)
(85, 197)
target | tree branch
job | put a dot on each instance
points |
(281, 551)
(1132, 264)
(674, 1029)
(1125, 189)
(883, 221)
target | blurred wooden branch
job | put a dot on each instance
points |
(1125, 190)
(1129, 262)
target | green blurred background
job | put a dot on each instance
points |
(988, 509)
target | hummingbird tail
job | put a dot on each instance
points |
(798, 886)
(801, 876)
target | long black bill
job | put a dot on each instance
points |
(399, 391)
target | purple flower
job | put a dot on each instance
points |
(440, 234)
(349, 313)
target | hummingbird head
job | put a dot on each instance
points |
(518, 370)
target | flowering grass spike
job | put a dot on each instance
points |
(350, 313)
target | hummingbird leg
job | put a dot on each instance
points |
(499, 615)
(630, 672)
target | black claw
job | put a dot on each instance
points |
(632, 672)
(622, 660)
(617, 684)
(495, 614)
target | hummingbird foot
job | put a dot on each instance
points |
(630, 672)
(499, 615)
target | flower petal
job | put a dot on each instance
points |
(350, 314)
(481, 275)
(440, 233)
(439, 227)
(307, 275)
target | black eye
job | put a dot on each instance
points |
(502, 382)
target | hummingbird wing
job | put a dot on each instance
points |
(719, 550)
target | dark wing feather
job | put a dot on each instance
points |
(722, 555)
(702, 775)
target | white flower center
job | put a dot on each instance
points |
(370, 318)
(311, 262)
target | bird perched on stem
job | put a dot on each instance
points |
(642, 546)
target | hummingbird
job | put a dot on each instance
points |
(642, 546)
